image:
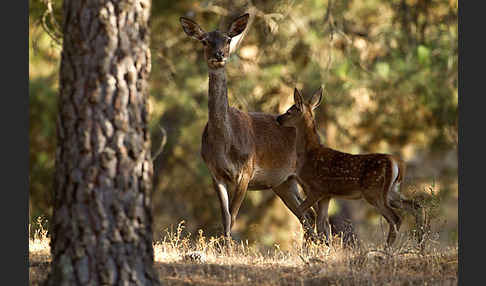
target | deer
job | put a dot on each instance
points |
(325, 173)
(243, 150)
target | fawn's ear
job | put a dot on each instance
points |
(192, 29)
(298, 99)
(238, 25)
(316, 99)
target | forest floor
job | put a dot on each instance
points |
(208, 261)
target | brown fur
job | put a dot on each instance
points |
(243, 150)
(250, 144)
(325, 173)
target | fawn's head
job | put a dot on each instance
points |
(216, 43)
(302, 112)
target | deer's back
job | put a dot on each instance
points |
(330, 162)
(343, 173)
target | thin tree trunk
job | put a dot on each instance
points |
(101, 230)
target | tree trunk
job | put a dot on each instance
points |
(101, 230)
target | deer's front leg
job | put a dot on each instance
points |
(311, 199)
(222, 191)
(239, 195)
(313, 196)
(323, 226)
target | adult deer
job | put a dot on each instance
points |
(243, 150)
(325, 173)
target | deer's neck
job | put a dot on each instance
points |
(218, 102)
(307, 138)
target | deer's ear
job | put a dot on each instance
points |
(298, 99)
(192, 29)
(238, 25)
(316, 98)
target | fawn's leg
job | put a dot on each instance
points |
(323, 226)
(398, 201)
(387, 212)
(288, 192)
(393, 220)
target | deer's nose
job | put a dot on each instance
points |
(219, 55)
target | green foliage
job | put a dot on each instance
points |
(43, 63)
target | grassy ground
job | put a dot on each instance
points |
(184, 260)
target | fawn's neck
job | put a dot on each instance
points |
(218, 102)
(307, 138)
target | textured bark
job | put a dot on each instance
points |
(102, 222)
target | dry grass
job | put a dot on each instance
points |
(39, 255)
(184, 260)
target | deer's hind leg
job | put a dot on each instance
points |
(288, 192)
(382, 201)
(399, 201)
(382, 206)
(393, 220)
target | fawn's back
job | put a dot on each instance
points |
(342, 174)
